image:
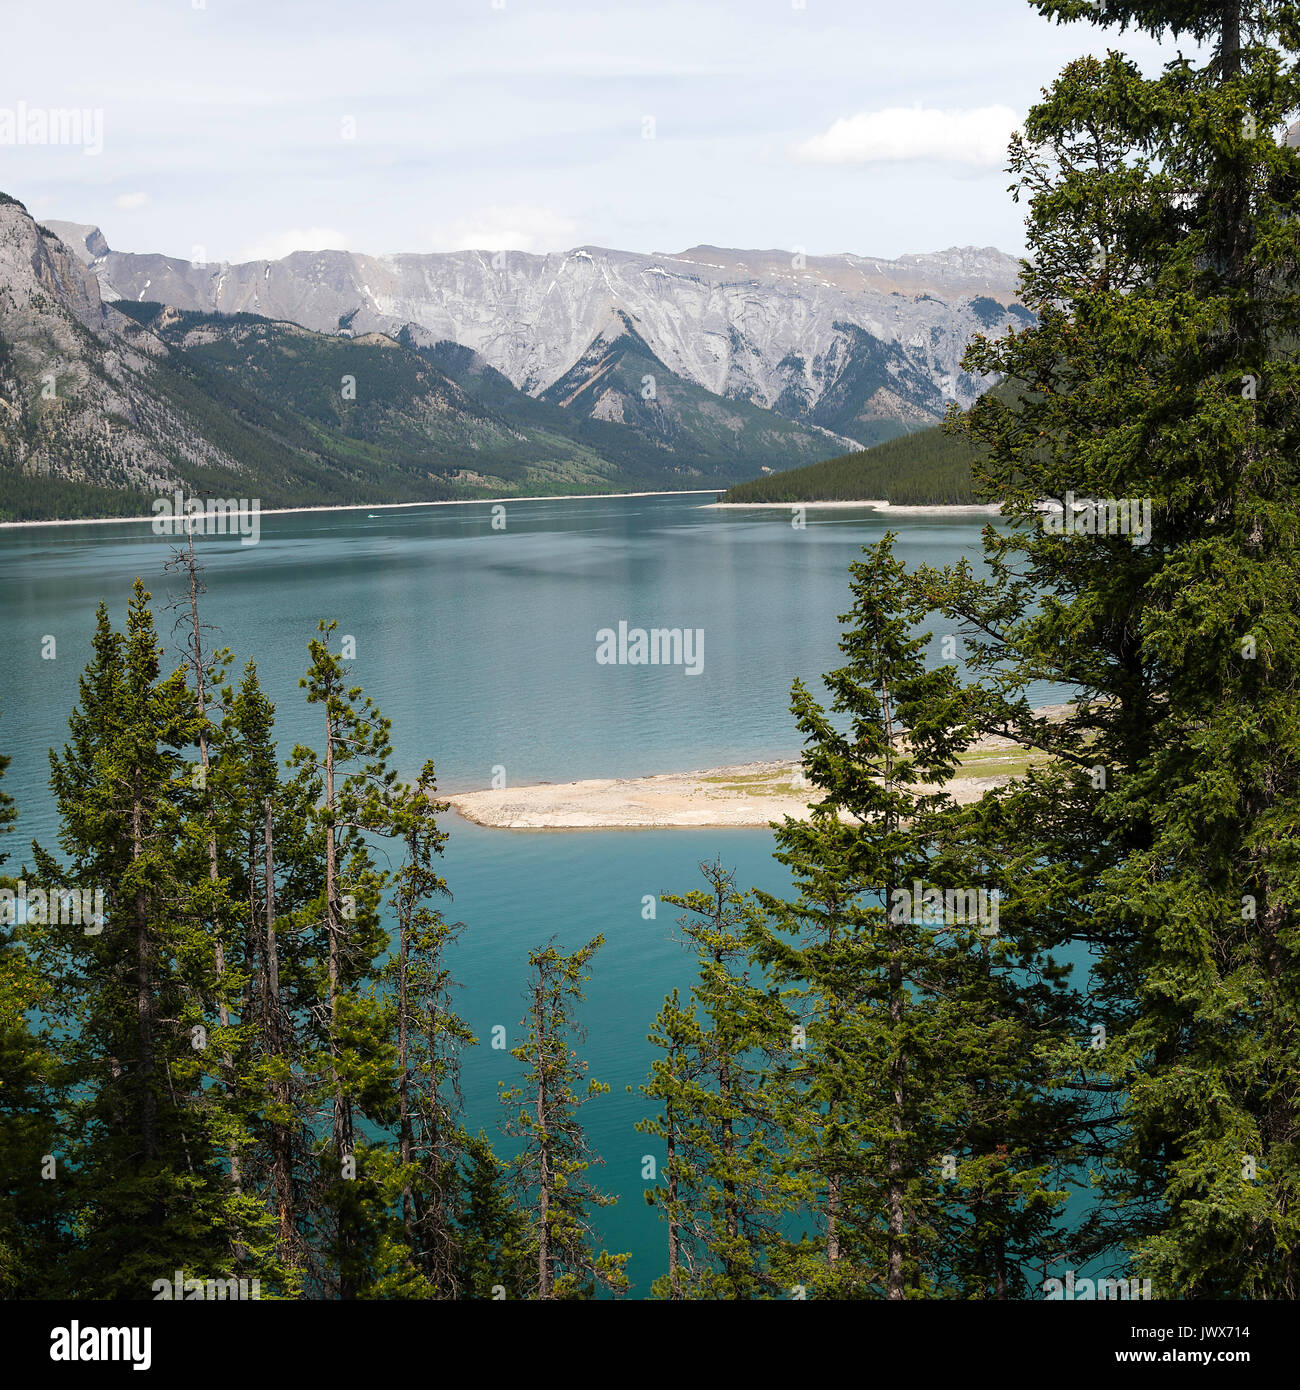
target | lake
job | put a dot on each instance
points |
(480, 644)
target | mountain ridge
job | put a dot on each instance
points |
(105, 403)
(776, 329)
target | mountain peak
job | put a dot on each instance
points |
(83, 239)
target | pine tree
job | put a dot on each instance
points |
(552, 1164)
(494, 1245)
(258, 818)
(33, 1243)
(351, 788)
(1165, 274)
(718, 1199)
(906, 1071)
(220, 905)
(431, 1035)
(150, 1189)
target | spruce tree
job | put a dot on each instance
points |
(430, 1038)
(1162, 370)
(263, 837)
(550, 1169)
(495, 1243)
(224, 908)
(350, 1033)
(150, 1186)
(719, 1199)
(33, 1203)
(909, 1079)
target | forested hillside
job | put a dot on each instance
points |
(925, 468)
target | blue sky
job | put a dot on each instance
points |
(240, 128)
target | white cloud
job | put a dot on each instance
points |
(129, 202)
(279, 244)
(515, 228)
(977, 137)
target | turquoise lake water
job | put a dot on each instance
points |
(480, 645)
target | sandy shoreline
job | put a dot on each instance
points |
(747, 796)
(382, 506)
(742, 796)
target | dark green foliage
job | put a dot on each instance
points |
(432, 1142)
(921, 469)
(988, 311)
(720, 1197)
(26, 497)
(1166, 257)
(550, 1169)
(860, 1098)
(31, 1204)
(143, 311)
(495, 1245)
(916, 1047)
(237, 1074)
(142, 1168)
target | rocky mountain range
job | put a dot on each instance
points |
(862, 347)
(101, 408)
(332, 376)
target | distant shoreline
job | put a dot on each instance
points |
(381, 506)
(880, 505)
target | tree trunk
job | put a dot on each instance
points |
(403, 1071)
(674, 1257)
(219, 950)
(545, 1282)
(281, 1152)
(895, 1288)
(896, 1227)
(144, 994)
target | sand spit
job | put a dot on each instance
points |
(745, 796)
(737, 797)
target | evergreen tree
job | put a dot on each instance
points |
(718, 1199)
(150, 1191)
(431, 1136)
(225, 911)
(1165, 274)
(33, 1245)
(351, 789)
(906, 1061)
(552, 1164)
(258, 818)
(495, 1244)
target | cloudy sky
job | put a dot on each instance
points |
(234, 129)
